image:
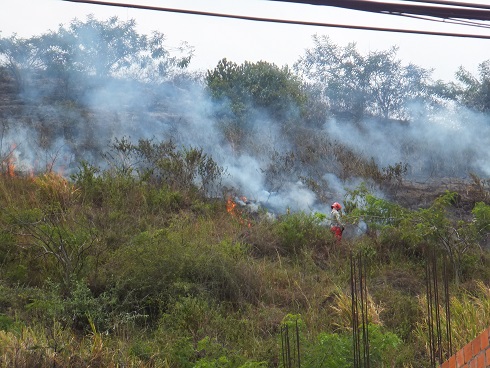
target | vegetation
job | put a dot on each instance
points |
(119, 269)
(124, 242)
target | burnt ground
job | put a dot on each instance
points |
(414, 194)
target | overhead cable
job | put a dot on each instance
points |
(459, 22)
(275, 20)
(451, 3)
(460, 11)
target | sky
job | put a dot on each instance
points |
(243, 40)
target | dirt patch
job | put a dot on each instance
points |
(414, 194)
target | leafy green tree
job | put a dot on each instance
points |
(481, 222)
(111, 48)
(87, 53)
(356, 86)
(22, 58)
(473, 91)
(251, 89)
(256, 85)
(439, 226)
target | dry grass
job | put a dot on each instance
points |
(470, 315)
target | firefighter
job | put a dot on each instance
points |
(336, 223)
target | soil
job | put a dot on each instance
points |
(414, 194)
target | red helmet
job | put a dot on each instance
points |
(337, 206)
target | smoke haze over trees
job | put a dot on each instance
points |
(153, 217)
(291, 137)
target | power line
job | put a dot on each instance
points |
(275, 20)
(459, 22)
(452, 3)
(456, 10)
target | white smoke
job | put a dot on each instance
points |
(449, 141)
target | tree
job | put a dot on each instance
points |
(473, 91)
(251, 89)
(87, 53)
(356, 86)
(54, 228)
(21, 58)
(256, 85)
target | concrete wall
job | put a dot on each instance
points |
(475, 354)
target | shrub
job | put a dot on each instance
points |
(336, 350)
(180, 260)
(298, 231)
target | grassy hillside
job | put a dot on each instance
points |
(126, 240)
(109, 268)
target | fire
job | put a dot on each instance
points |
(231, 209)
(10, 167)
(230, 206)
(9, 162)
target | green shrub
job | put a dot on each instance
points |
(336, 350)
(161, 264)
(298, 232)
(207, 334)
(142, 349)
(6, 322)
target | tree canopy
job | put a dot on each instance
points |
(356, 85)
(86, 53)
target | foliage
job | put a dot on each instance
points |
(470, 315)
(184, 284)
(161, 264)
(298, 232)
(84, 54)
(53, 227)
(426, 228)
(259, 85)
(481, 223)
(377, 213)
(336, 350)
(135, 261)
(253, 92)
(160, 163)
(470, 90)
(359, 86)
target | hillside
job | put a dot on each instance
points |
(153, 218)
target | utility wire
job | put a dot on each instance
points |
(475, 12)
(274, 20)
(451, 3)
(448, 21)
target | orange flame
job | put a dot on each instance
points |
(230, 206)
(10, 167)
(231, 209)
(9, 162)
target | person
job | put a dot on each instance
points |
(336, 223)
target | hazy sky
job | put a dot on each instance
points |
(241, 40)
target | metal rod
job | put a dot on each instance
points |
(429, 311)
(436, 305)
(366, 321)
(355, 315)
(297, 344)
(448, 310)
